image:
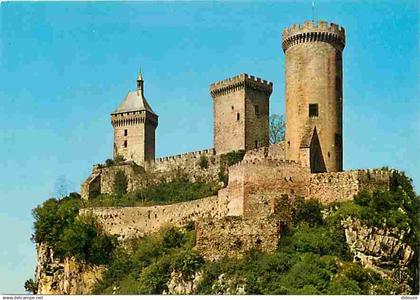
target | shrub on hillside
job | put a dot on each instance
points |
(144, 265)
(86, 241)
(52, 218)
(204, 162)
(56, 224)
(120, 183)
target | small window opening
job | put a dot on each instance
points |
(257, 110)
(125, 132)
(233, 107)
(237, 117)
(125, 144)
(338, 140)
(313, 110)
(256, 144)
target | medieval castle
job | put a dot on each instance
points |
(309, 163)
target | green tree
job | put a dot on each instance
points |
(86, 241)
(204, 162)
(120, 183)
(277, 128)
(31, 286)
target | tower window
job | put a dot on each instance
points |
(125, 144)
(237, 117)
(257, 110)
(313, 110)
(125, 132)
(256, 144)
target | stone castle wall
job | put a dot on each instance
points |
(130, 222)
(190, 163)
(233, 236)
(101, 181)
(343, 186)
(275, 151)
(245, 213)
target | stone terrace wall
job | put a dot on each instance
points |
(255, 188)
(189, 163)
(232, 236)
(343, 186)
(275, 151)
(101, 181)
(130, 222)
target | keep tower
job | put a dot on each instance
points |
(134, 124)
(314, 95)
(241, 111)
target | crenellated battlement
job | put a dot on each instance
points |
(314, 32)
(264, 162)
(193, 154)
(239, 82)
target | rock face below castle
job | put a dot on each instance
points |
(63, 277)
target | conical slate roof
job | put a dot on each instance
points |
(134, 101)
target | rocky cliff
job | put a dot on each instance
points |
(382, 250)
(63, 276)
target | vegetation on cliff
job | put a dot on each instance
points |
(57, 225)
(313, 256)
(178, 190)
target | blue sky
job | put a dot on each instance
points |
(65, 66)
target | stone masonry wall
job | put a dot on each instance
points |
(189, 163)
(232, 236)
(130, 222)
(343, 186)
(101, 181)
(275, 151)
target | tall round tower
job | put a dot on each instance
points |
(314, 95)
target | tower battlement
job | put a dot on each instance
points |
(314, 32)
(238, 82)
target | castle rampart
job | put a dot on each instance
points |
(343, 186)
(240, 82)
(312, 32)
(130, 222)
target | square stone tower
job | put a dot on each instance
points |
(134, 125)
(241, 113)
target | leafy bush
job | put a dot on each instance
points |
(308, 211)
(204, 162)
(188, 262)
(56, 224)
(234, 157)
(109, 162)
(144, 265)
(85, 240)
(120, 183)
(52, 218)
(31, 286)
(179, 190)
(322, 240)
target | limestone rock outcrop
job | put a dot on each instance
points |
(63, 277)
(382, 250)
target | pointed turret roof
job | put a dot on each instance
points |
(135, 100)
